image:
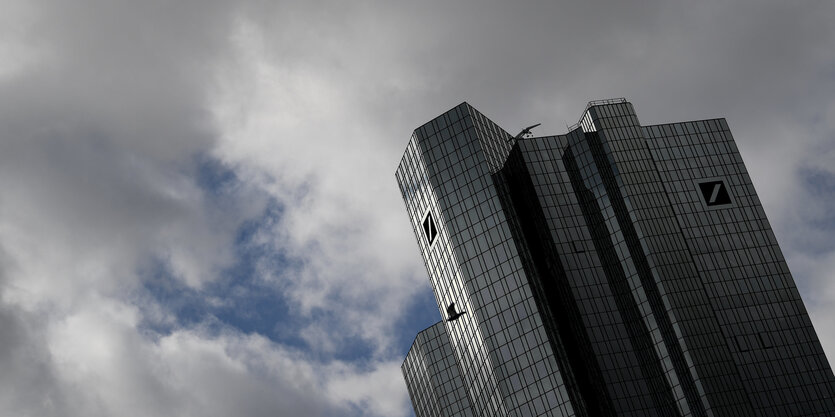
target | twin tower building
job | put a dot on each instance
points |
(615, 270)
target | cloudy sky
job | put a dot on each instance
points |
(199, 216)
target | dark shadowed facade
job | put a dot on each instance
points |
(616, 270)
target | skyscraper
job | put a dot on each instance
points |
(616, 270)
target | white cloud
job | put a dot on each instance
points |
(108, 109)
(371, 390)
(297, 131)
(94, 362)
(100, 155)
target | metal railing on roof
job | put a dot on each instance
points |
(595, 103)
(605, 101)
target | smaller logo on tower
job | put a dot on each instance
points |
(430, 229)
(715, 193)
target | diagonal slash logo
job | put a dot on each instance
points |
(430, 230)
(715, 193)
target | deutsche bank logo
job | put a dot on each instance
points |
(715, 193)
(430, 229)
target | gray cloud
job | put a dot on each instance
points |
(107, 109)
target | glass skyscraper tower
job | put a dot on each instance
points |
(616, 270)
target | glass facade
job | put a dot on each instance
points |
(436, 387)
(616, 270)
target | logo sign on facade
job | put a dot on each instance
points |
(430, 229)
(715, 193)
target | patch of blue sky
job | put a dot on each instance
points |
(820, 187)
(421, 313)
(818, 181)
(241, 298)
(213, 177)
